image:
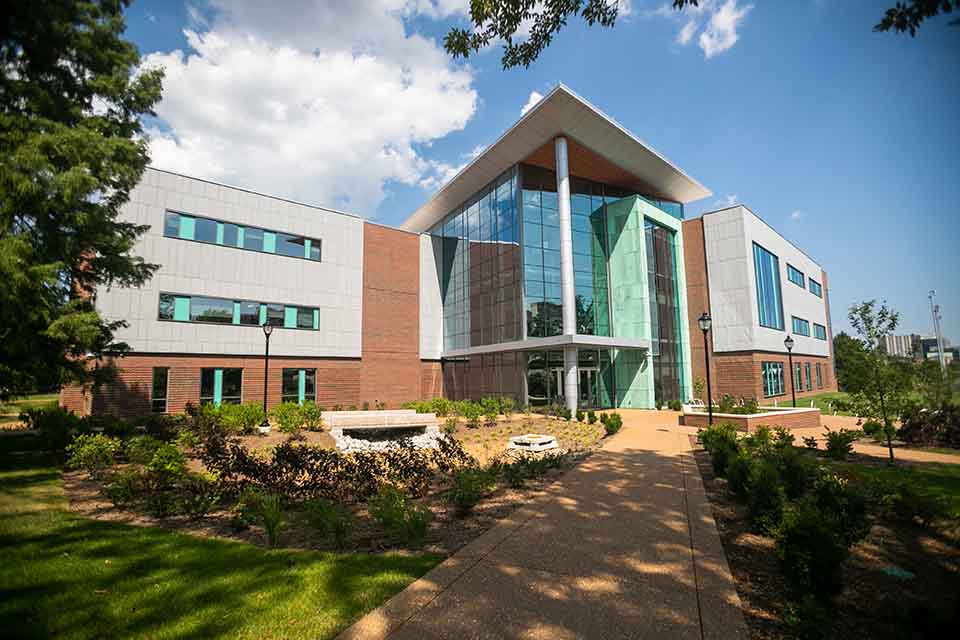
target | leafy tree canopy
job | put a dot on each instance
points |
(494, 20)
(71, 149)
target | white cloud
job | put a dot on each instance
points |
(726, 201)
(535, 97)
(442, 172)
(720, 23)
(721, 32)
(796, 215)
(317, 101)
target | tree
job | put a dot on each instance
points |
(850, 360)
(885, 391)
(494, 20)
(71, 149)
(934, 385)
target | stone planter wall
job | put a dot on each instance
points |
(786, 418)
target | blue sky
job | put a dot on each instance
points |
(845, 140)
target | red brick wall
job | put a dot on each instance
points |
(698, 299)
(391, 367)
(431, 379)
(740, 374)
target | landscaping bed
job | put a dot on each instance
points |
(901, 578)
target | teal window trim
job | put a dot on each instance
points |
(269, 242)
(236, 312)
(819, 331)
(796, 276)
(301, 385)
(181, 309)
(815, 288)
(217, 387)
(772, 379)
(769, 294)
(181, 312)
(290, 317)
(800, 326)
(263, 314)
(316, 319)
(186, 230)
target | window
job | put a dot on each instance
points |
(801, 326)
(795, 276)
(299, 385)
(769, 300)
(806, 368)
(815, 288)
(819, 377)
(228, 234)
(211, 310)
(158, 395)
(236, 312)
(819, 331)
(772, 379)
(218, 386)
(798, 377)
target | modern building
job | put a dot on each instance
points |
(905, 346)
(758, 288)
(551, 269)
(929, 350)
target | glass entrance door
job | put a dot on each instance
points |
(588, 387)
(557, 381)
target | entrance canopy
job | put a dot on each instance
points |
(578, 341)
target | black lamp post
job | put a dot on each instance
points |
(788, 343)
(705, 322)
(267, 330)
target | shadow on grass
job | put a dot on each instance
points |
(66, 576)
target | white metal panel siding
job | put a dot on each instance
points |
(334, 285)
(431, 303)
(729, 236)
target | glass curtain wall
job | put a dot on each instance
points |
(545, 378)
(664, 311)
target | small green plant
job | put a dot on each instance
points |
(613, 423)
(331, 520)
(698, 388)
(515, 473)
(352, 407)
(472, 412)
(765, 495)
(739, 470)
(840, 443)
(811, 551)
(810, 442)
(241, 418)
(450, 426)
(720, 441)
(311, 416)
(168, 464)
(401, 521)
(580, 415)
(365, 405)
(591, 416)
(469, 485)
(675, 405)
(199, 498)
(288, 417)
(93, 453)
(140, 449)
(508, 405)
(658, 403)
(809, 619)
(272, 516)
(55, 425)
(726, 404)
(123, 488)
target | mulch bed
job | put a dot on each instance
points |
(447, 532)
(874, 604)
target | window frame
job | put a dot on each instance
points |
(806, 370)
(780, 324)
(819, 292)
(302, 380)
(800, 326)
(311, 246)
(264, 316)
(816, 334)
(153, 389)
(819, 376)
(772, 372)
(212, 397)
(796, 276)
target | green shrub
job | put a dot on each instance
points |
(657, 402)
(720, 441)
(123, 488)
(847, 506)
(241, 418)
(365, 405)
(515, 473)
(441, 406)
(272, 516)
(902, 501)
(402, 522)
(765, 495)
(840, 443)
(187, 440)
(760, 442)
(311, 416)
(810, 442)
(613, 423)
(140, 449)
(739, 469)
(288, 417)
(472, 412)
(93, 453)
(797, 471)
(811, 551)
(469, 486)
(872, 428)
(331, 520)
(782, 438)
(199, 497)
(109, 425)
(591, 416)
(580, 416)
(55, 425)
(507, 405)
(726, 404)
(675, 405)
(168, 464)
(809, 619)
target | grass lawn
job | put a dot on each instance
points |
(10, 412)
(929, 478)
(821, 401)
(69, 577)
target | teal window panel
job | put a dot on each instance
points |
(263, 314)
(217, 386)
(187, 226)
(219, 233)
(240, 233)
(290, 317)
(316, 318)
(306, 248)
(236, 313)
(301, 385)
(269, 242)
(181, 309)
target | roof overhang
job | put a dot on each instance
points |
(561, 112)
(579, 341)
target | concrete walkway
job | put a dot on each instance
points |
(623, 546)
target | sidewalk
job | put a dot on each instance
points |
(623, 546)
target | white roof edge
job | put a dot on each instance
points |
(415, 223)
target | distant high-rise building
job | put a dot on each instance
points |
(906, 346)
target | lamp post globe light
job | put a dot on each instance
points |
(788, 343)
(705, 322)
(267, 330)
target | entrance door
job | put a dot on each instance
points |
(556, 380)
(588, 387)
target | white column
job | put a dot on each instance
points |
(568, 296)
